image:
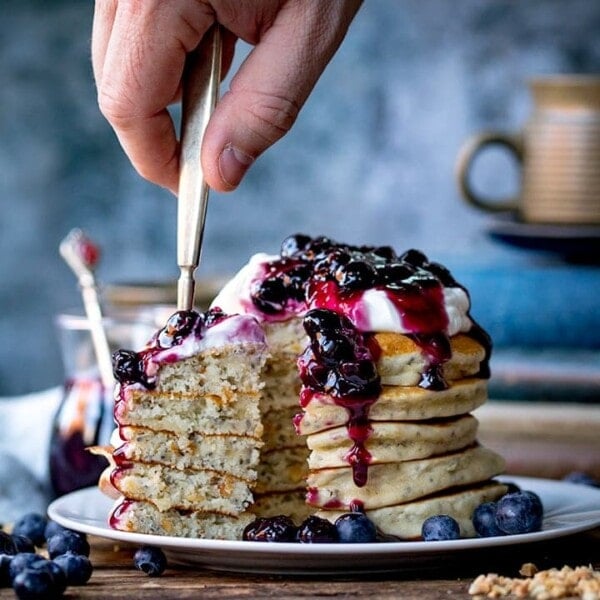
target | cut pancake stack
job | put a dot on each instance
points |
(283, 468)
(424, 458)
(189, 441)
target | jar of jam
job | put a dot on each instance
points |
(84, 416)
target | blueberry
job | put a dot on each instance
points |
(356, 275)
(21, 561)
(5, 560)
(326, 267)
(394, 275)
(52, 528)
(295, 280)
(271, 529)
(31, 584)
(7, 544)
(580, 478)
(331, 347)
(23, 543)
(128, 367)
(317, 249)
(314, 375)
(322, 319)
(484, 520)
(68, 541)
(315, 530)
(519, 512)
(294, 245)
(179, 325)
(414, 257)
(440, 527)
(150, 560)
(59, 576)
(358, 378)
(213, 316)
(442, 273)
(270, 296)
(386, 252)
(77, 567)
(31, 525)
(355, 528)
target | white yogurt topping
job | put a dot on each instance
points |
(235, 329)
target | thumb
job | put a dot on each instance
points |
(271, 86)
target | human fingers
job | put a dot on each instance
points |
(271, 86)
(141, 75)
(104, 17)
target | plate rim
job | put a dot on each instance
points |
(399, 549)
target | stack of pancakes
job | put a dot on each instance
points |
(424, 455)
(188, 446)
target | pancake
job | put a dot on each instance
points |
(398, 404)
(166, 488)
(403, 362)
(405, 520)
(282, 470)
(279, 430)
(393, 441)
(234, 454)
(291, 503)
(144, 517)
(395, 483)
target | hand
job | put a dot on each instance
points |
(138, 52)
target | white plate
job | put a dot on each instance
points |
(569, 509)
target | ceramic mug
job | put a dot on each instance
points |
(558, 151)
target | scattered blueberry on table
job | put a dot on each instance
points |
(150, 560)
(32, 575)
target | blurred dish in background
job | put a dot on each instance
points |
(576, 243)
(559, 154)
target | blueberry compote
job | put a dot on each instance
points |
(338, 362)
(132, 367)
(320, 273)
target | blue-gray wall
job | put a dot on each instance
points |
(370, 160)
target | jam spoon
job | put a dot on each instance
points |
(200, 92)
(82, 255)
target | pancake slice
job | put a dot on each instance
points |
(391, 442)
(395, 483)
(397, 404)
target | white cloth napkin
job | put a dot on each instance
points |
(25, 426)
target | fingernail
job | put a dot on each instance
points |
(233, 163)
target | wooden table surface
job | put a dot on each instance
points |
(115, 577)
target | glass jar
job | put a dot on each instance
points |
(84, 416)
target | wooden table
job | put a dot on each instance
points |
(115, 577)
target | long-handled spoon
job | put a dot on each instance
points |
(200, 92)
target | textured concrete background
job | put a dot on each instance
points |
(369, 161)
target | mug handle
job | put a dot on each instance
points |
(464, 162)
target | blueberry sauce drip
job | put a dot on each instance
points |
(130, 367)
(116, 515)
(338, 362)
